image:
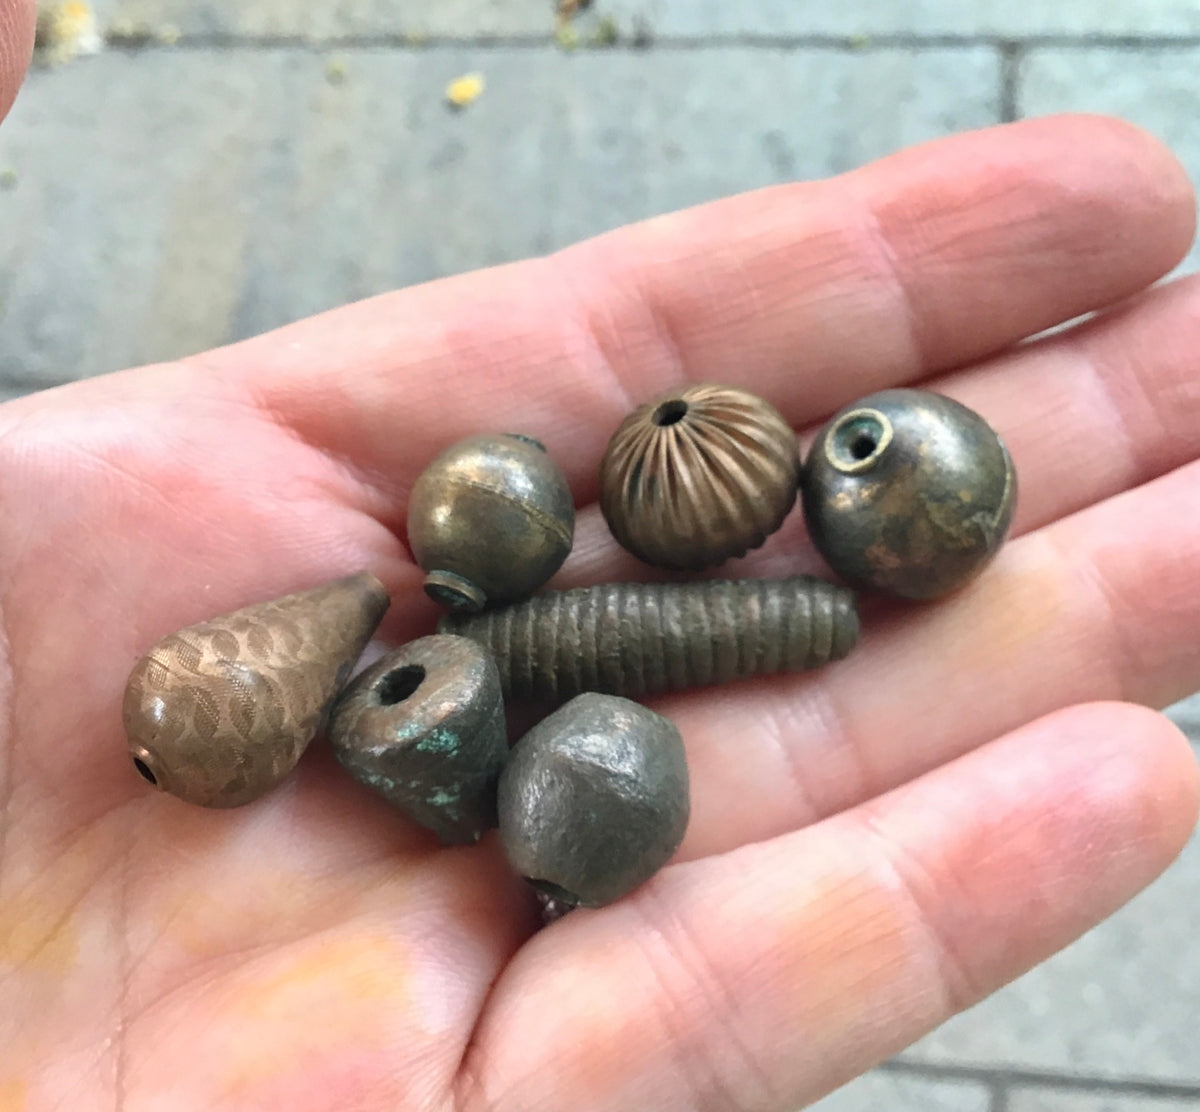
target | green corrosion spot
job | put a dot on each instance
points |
(438, 741)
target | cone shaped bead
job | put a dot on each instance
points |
(703, 474)
(220, 712)
(424, 726)
(639, 638)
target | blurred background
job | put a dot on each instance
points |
(182, 173)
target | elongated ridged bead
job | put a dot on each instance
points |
(640, 638)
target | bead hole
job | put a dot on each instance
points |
(553, 891)
(144, 771)
(670, 413)
(859, 440)
(531, 441)
(397, 686)
(862, 445)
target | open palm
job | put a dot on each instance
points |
(872, 847)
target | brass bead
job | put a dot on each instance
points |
(701, 475)
(424, 726)
(220, 712)
(641, 638)
(908, 492)
(490, 520)
(594, 800)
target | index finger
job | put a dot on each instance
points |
(17, 19)
(811, 294)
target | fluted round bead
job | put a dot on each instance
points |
(699, 476)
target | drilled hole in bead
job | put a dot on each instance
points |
(859, 440)
(144, 771)
(397, 686)
(531, 441)
(553, 891)
(863, 445)
(670, 413)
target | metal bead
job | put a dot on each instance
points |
(424, 726)
(594, 800)
(908, 492)
(640, 638)
(699, 476)
(220, 712)
(491, 519)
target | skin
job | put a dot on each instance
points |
(872, 848)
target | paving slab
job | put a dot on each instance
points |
(1042, 1100)
(880, 1090)
(1120, 1003)
(800, 18)
(665, 19)
(316, 22)
(1156, 89)
(1186, 715)
(168, 201)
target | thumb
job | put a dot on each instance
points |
(17, 19)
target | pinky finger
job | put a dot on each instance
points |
(766, 977)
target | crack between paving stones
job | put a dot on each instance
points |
(1001, 1080)
(865, 43)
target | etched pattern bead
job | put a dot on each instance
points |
(218, 713)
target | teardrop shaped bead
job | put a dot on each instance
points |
(220, 712)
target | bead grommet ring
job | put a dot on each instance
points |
(857, 441)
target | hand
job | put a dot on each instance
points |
(873, 847)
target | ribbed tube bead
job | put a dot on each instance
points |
(640, 638)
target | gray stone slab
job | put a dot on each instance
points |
(1156, 89)
(1186, 715)
(1120, 1003)
(166, 202)
(665, 19)
(696, 18)
(880, 1090)
(441, 19)
(1044, 1100)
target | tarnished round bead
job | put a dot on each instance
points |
(490, 520)
(699, 476)
(909, 493)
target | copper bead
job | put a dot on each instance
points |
(220, 712)
(699, 476)
(490, 520)
(594, 800)
(640, 638)
(424, 726)
(909, 493)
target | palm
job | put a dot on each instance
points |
(315, 950)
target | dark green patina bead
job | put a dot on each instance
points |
(424, 726)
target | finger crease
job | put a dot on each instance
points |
(912, 881)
